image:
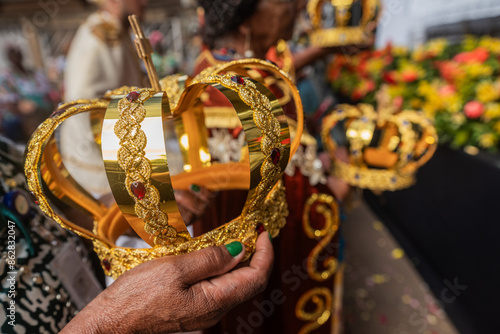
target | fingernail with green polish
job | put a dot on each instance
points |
(270, 237)
(234, 248)
(196, 188)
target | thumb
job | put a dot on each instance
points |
(209, 262)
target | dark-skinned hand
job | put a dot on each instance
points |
(177, 293)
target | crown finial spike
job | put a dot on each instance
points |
(144, 50)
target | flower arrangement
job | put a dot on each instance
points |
(458, 85)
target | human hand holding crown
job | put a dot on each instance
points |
(134, 122)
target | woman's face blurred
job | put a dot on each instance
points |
(274, 20)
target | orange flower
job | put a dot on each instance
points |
(478, 55)
(409, 75)
(449, 70)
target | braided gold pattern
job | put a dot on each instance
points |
(132, 159)
(236, 66)
(271, 130)
(217, 68)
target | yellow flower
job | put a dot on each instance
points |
(416, 103)
(492, 111)
(453, 103)
(419, 53)
(437, 46)
(429, 109)
(375, 65)
(486, 92)
(396, 90)
(497, 127)
(475, 70)
(491, 44)
(399, 51)
(487, 140)
(458, 118)
(469, 43)
(425, 88)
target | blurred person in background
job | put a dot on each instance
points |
(26, 97)
(101, 57)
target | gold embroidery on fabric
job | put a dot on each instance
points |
(327, 207)
(322, 298)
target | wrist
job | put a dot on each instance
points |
(98, 317)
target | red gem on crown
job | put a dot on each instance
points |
(259, 228)
(57, 113)
(132, 96)
(106, 264)
(138, 189)
(275, 155)
(238, 80)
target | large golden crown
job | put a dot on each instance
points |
(384, 148)
(132, 125)
(342, 22)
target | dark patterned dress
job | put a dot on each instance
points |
(45, 271)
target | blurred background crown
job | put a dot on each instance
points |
(342, 22)
(378, 150)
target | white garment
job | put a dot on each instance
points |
(101, 57)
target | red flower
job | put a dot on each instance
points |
(478, 55)
(388, 59)
(357, 94)
(473, 109)
(362, 68)
(335, 73)
(369, 85)
(390, 77)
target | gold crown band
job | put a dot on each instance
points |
(372, 178)
(340, 37)
(125, 115)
